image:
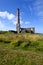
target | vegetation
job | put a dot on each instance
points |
(21, 49)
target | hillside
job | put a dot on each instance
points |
(21, 49)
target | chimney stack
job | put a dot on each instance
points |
(18, 21)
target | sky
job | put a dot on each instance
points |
(31, 14)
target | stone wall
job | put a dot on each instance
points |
(28, 30)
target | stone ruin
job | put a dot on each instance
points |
(22, 30)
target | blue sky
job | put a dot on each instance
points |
(31, 14)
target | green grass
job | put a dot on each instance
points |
(21, 49)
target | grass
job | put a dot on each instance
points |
(21, 49)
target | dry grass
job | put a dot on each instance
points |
(21, 49)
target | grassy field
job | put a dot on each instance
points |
(21, 49)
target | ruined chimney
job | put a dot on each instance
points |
(18, 21)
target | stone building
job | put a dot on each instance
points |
(22, 30)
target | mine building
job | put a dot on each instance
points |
(18, 27)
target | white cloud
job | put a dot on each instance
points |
(11, 17)
(7, 15)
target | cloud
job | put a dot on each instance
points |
(7, 20)
(7, 15)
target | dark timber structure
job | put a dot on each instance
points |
(22, 30)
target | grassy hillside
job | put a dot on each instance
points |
(21, 49)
